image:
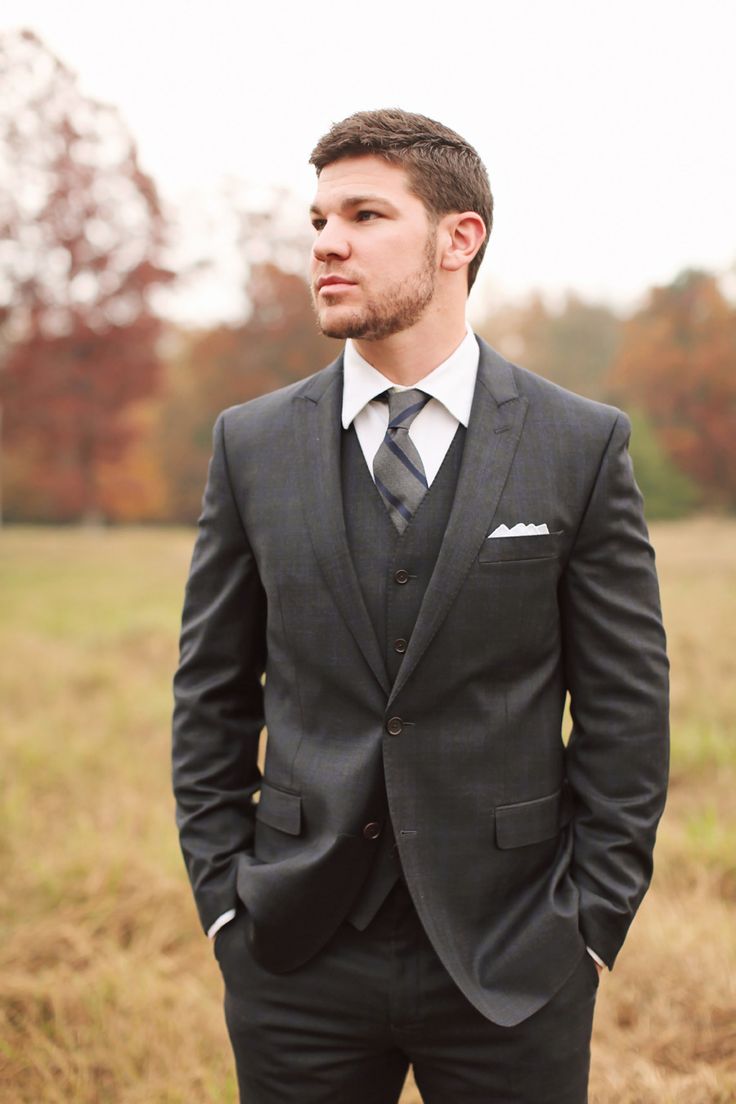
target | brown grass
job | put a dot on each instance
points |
(108, 991)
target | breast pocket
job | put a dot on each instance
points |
(500, 550)
(511, 598)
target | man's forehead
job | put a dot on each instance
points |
(358, 179)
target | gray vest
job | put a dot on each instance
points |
(393, 571)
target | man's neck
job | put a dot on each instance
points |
(407, 357)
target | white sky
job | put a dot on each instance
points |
(607, 128)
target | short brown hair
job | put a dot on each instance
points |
(444, 170)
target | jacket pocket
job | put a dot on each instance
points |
(530, 822)
(280, 809)
(544, 546)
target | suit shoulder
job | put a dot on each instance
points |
(548, 401)
(568, 403)
(578, 426)
(266, 412)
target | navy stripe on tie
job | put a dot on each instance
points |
(408, 413)
(397, 504)
(391, 444)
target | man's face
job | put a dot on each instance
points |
(374, 260)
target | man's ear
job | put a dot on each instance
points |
(461, 236)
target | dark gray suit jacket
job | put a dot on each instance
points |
(517, 850)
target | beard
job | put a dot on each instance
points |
(396, 308)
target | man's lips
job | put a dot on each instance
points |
(336, 283)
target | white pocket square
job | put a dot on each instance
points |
(519, 530)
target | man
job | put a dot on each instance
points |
(424, 548)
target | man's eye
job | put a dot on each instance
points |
(318, 224)
(363, 216)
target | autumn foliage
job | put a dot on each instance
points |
(84, 238)
(277, 344)
(677, 362)
(574, 344)
(107, 410)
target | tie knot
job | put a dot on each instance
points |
(403, 407)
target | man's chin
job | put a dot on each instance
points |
(342, 328)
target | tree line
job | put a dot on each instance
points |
(107, 408)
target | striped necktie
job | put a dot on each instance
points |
(397, 466)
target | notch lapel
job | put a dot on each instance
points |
(494, 429)
(318, 427)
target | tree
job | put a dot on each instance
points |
(83, 241)
(667, 492)
(278, 344)
(677, 362)
(574, 346)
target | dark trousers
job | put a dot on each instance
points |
(344, 1028)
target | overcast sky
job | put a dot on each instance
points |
(607, 128)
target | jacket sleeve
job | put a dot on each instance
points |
(218, 696)
(617, 677)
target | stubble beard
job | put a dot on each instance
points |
(397, 308)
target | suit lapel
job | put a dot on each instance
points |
(495, 426)
(317, 424)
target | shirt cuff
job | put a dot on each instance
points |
(593, 955)
(220, 922)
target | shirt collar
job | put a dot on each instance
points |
(452, 382)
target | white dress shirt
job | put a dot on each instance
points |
(451, 386)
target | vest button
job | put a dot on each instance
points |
(400, 645)
(394, 726)
(372, 830)
(401, 576)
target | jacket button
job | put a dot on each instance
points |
(394, 726)
(401, 576)
(400, 645)
(372, 830)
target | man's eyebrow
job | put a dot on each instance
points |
(355, 201)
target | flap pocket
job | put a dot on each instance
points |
(542, 546)
(532, 821)
(280, 809)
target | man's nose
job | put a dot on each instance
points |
(331, 241)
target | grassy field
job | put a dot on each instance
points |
(108, 990)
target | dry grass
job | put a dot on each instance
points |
(108, 992)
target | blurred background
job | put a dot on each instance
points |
(154, 186)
